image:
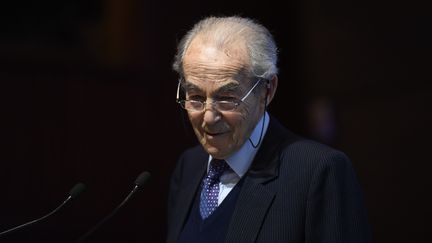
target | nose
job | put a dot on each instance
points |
(211, 115)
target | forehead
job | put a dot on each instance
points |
(212, 63)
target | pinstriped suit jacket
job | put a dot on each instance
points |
(296, 191)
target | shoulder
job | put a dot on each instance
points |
(307, 149)
(191, 156)
(315, 162)
(312, 152)
(193, 152)
(190, 160)
(291, 146)
(291, 156)
(298, 154)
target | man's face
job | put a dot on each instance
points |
(221, 74)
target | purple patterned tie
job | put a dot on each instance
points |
(210, 188)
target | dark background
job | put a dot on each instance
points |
(87, 94)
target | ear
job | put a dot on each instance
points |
(271, 88)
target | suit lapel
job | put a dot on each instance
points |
(257, 194)
(188, 192)
(252, 205)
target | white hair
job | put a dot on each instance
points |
(260, 44)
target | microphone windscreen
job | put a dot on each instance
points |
(77, 190)
(142, 178)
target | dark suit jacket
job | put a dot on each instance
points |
(296, 190)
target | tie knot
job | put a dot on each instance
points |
(217, 167)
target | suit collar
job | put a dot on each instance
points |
(265, 166)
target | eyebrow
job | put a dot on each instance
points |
(230, 87)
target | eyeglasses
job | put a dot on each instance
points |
(220, 105)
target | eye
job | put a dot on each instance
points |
(227, 98)
(227, 95)
(196, 97)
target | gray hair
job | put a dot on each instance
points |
(261, 46)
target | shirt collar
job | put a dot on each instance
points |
(241, 160)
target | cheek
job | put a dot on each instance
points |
(238, 124)
(244, 123)
(195, 120)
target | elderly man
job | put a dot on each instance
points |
(250, 179)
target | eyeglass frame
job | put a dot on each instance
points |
(215, 102)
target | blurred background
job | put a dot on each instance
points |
(87, 94)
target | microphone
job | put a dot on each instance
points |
(139, 182)
(74, 192)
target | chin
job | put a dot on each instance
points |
(215, 152)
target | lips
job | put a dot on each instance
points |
(213, 134)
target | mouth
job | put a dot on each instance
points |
(214, 134)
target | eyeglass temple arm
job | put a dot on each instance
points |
(178, 91)
(250, 91)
